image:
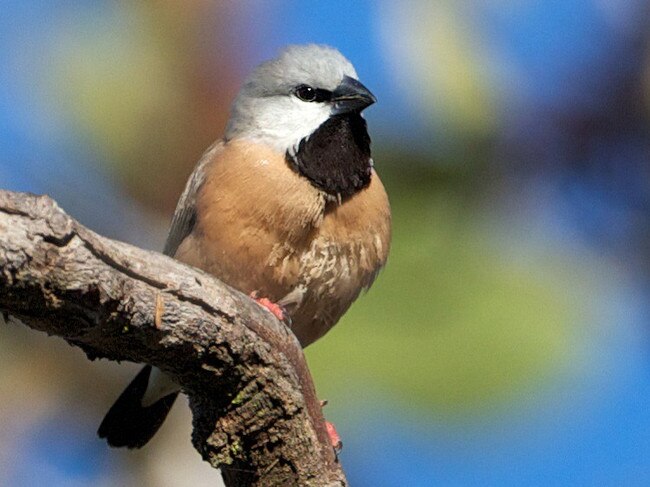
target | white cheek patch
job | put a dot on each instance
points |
(283, 123)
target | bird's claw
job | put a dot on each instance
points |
(269, 305)
(335, 439)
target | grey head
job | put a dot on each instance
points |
(286, 99)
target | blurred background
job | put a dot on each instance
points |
(506, 342)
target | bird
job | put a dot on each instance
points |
(286, 207)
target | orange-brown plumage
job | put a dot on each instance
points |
(262, 227)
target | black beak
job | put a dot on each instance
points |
(351, 96)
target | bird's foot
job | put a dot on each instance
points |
(335, 439)
(266, 303)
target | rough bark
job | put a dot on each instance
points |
(256, 415)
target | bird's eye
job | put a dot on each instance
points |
(306, 93)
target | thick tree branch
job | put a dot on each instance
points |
(256, 415)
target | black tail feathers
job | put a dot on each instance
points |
(128, 423)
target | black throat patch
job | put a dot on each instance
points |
(336, 157)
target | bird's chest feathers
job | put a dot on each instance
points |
(263, 226)
(334, 260)
(318, 258)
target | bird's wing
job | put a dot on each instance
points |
(185, 214)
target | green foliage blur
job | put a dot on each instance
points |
(454, 325)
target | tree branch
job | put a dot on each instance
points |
(256, 415)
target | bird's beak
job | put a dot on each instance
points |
(350, 96)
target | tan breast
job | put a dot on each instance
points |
(261, 227)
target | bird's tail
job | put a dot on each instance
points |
(128, 422)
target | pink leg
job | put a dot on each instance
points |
(274, 308)
(335, 439)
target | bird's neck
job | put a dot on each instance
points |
(335, 158)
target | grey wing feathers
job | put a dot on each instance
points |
(185, 214)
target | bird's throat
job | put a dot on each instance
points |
(336, 156)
